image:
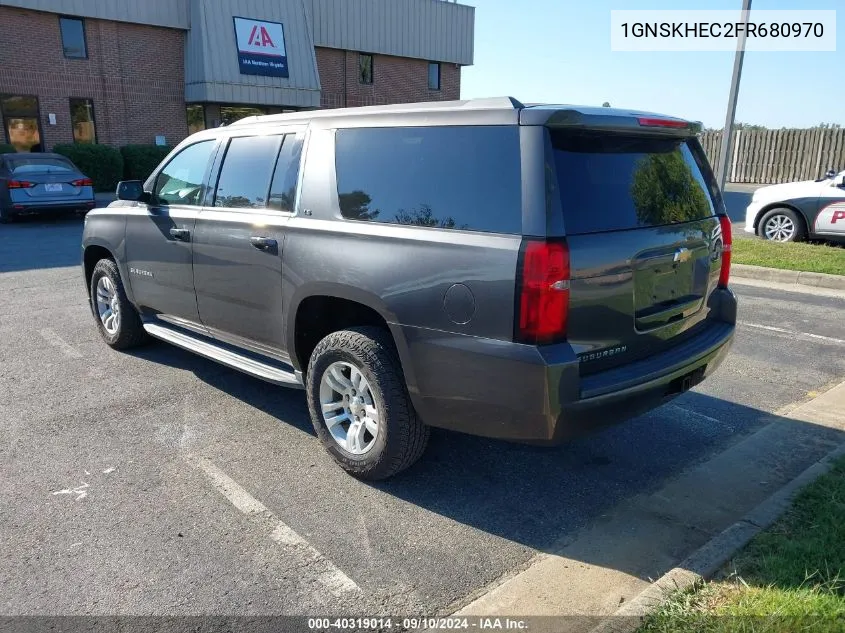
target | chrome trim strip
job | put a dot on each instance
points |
(250, 344)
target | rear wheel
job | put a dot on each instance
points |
(359, 404)
(781, 225)
(6, 216)
(118, 321)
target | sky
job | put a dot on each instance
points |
(559, 51)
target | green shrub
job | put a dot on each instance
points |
(101, 163)
(5, 148)
(139, 161)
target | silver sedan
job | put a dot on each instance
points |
(30, 183)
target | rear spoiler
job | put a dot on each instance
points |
(610, 121)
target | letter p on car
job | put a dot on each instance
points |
(837, 215)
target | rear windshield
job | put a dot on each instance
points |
(37, 165)
(610, 182)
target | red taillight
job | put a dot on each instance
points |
(543, 292)
(654, 122)
(727, 240)
(82, 182)
(20, 184)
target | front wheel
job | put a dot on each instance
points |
(359, 404)
(781, 225)
(118, 321)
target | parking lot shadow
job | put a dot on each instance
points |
(533, 495)
(286, 405)
(40, 242)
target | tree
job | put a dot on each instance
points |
(665, 191)
(356, 206)
(423, 216)
(606, 104)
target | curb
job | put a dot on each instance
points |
(711, 556)
(800, 278)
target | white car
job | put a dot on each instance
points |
(793, 211)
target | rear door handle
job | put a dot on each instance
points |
(181, 234)
(263, 243)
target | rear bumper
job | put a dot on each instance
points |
(21, 208)
(536, 394)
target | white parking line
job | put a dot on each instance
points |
(696, 414)
(55, 340)
(329, 576)
(792, 334)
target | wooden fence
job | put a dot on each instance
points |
(773, 156)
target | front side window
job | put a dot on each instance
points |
(246, 172)
(182, 181)
(433, 76)
(283, 189)
(82, 119)
(440, 177)
(73, 37)
(365, 68)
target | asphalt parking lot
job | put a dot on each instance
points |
(156, 482)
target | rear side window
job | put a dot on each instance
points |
(611, 182)
(245, 175)
(35, 165)
(442, 177)
(283, 189)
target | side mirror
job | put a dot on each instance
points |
(132, 190)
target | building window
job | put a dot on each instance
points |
(365, 68)
(196, 118)
(433, 75)
(82, 120)
(73, 37)
(230, 114)
(19, 114)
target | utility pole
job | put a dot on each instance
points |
(725, 153)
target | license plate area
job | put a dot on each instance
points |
(53, 188)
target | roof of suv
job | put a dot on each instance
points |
(494, 110)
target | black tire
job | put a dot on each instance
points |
(130, 332)
(402, 436)
(6, 217)
(800, 232)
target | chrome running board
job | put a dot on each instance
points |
(208, 349)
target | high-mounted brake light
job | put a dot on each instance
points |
(654, 122)
(82, 182)
(543, 292)
(727, 240)
(19, 184)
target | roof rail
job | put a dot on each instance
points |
(494, 102)
(487, 103)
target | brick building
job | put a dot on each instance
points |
(124, 71)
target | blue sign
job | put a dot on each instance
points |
(261, 47)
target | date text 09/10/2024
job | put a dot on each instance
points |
(414, 624)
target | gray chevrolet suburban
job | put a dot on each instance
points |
(524, 272)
